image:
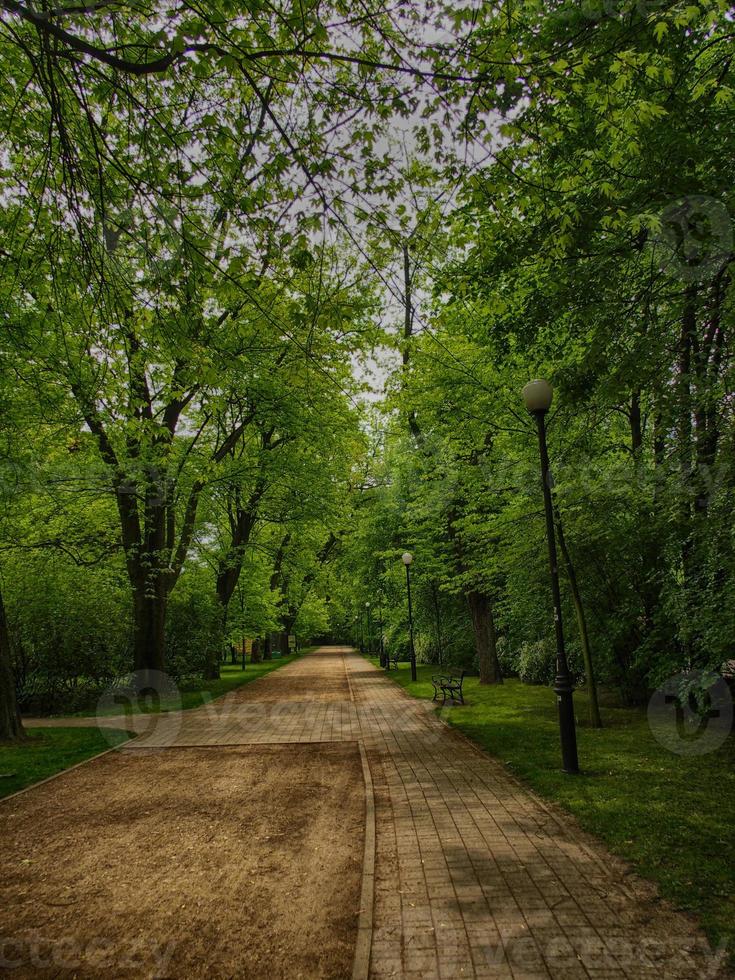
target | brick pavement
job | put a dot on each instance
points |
(474, 876)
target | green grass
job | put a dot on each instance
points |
(48, 751)
(194, 694)
(670, 816)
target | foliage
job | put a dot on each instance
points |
(536, 662)
(71, 637)
(594, 247)
(192, 625)
(177, 322)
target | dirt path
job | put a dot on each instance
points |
(230, 861)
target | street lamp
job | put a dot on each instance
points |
(407, 558)
(537, 397)
(369, 630)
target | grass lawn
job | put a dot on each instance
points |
(48, 751)
(199, 692)
(670, 816)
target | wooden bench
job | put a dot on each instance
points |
(392, 660)
(449, 687)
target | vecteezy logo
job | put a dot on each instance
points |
(147, 702)
(691, 713)
(695, 239)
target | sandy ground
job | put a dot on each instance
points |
(323, 680)
(320, 682)
(224, 862)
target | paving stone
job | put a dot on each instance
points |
(496, 862)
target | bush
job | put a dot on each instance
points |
(193, 629)
(536, 663)
(396, 641)
(70, 637)
(508, 658)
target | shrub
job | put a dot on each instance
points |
(70, 637)
(508, 658)
(536, 662)
(193, 630)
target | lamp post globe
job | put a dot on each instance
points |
(407, 558)
(537, 397)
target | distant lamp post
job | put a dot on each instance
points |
(369, 630)
(407, 558)
(537, 396)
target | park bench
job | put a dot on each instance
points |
(449, 687)
(392, 660)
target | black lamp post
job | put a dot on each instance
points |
(537, 396)
(369, 630)
(407, 558)
(381, 645)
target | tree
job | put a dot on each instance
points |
(11, 726)
(595, 249)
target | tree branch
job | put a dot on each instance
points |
(41, 20)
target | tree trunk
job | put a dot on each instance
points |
(483, 625)
(687, 343)
(707, 364)
(230, 566)
(408, 317)
(11, 726)
(636, 427)
(212, 662)
(215, 649)
(255, 655)
(149, 630)
(595, 719)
